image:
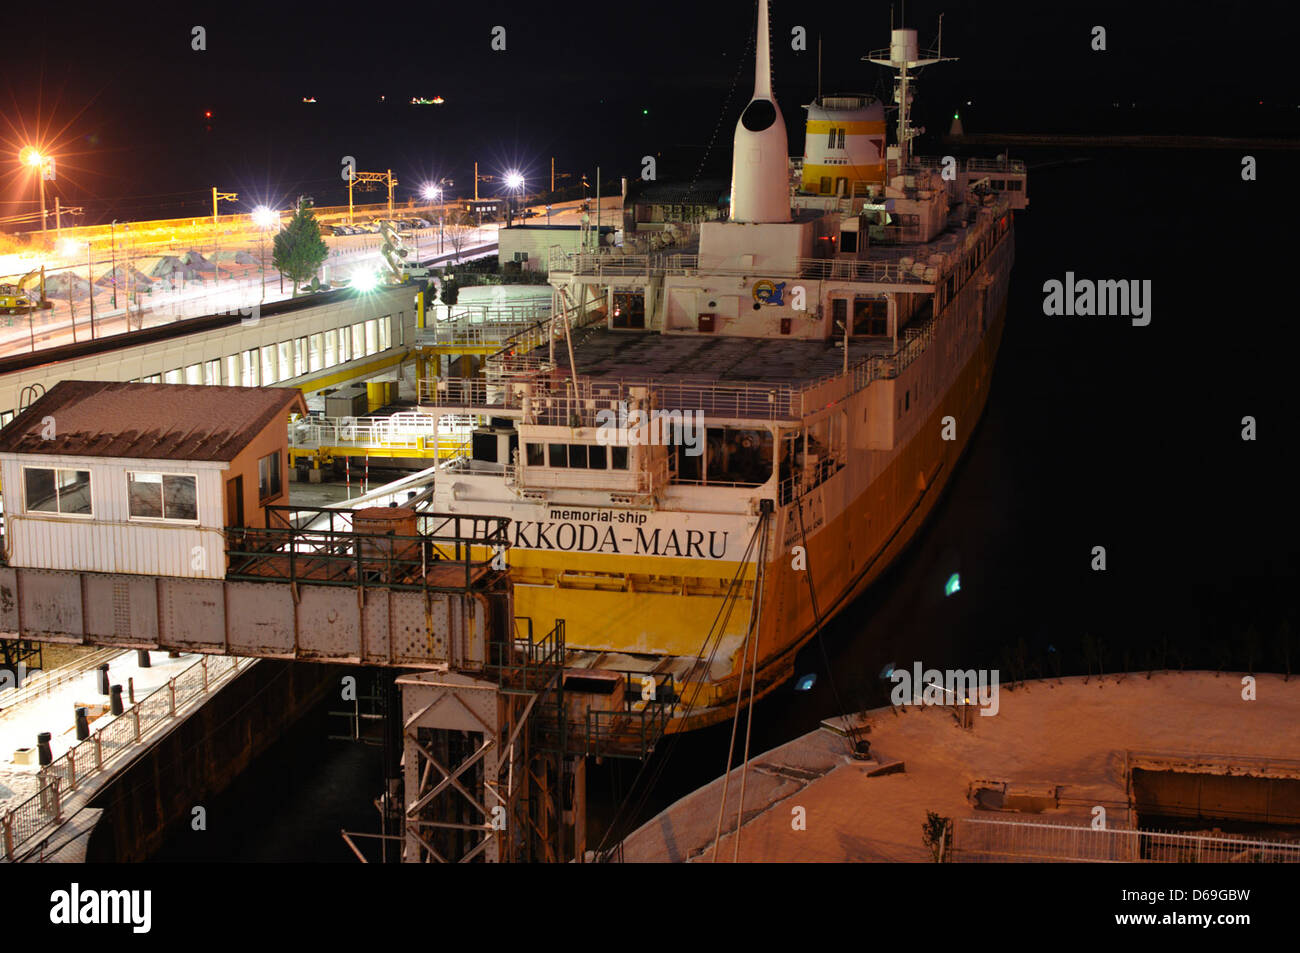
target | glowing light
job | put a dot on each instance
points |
(952, 585)
(69, 247)
(514, 180)
(366, 281)
(805, 682)
(31, 156)
(431, 192)
(264, 217)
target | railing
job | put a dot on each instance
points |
(97, 753)
(338, 555)
(416, 431)
(524, 664)
(41, 682)
(980, 839)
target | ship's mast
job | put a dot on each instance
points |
(904, 57)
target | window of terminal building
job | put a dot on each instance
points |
(372, 336)
(269, 478)
(54, 490)
(299, 356)
(870, 315)
(176, 376)
(331, 348)
(345, 345)
(315, 352)
(284, 360)
(234, 374)
(358, 340)
(212, 373)
(172, 497)
(268, 365)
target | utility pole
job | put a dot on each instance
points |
(391, 183)
(552, 174)
(112, 257)
(58, 232)
(475, 182)
(351, 178)
(227, 196)
(598, 209)
(90, 277)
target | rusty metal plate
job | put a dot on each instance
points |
(260, 619)
(50, 605)
(329, 623)
(375, 626)
(412, 642)
(121, 609)
(193, 613)
(8, 600)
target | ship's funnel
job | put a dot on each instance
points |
(760, 176)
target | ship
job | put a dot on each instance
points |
(709, 452)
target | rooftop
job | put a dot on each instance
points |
(649, 355)
(147, 421)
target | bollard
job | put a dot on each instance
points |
(83, 724)
(115, 702)
(130, 689)
(43, 754)
(142, 658)
(103, 679)
(172, 654)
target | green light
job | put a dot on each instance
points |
(952, 585)
(955, 116)
(645, 112)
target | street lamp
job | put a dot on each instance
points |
(515, 184)
(32, 156)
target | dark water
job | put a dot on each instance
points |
(1096, 433)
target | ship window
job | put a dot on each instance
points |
(536, 455)
(998, 185)
(596, 458)
(49, 490)
(839, 312)
(841, 132)
(559, 455)
(739, 457)
(618, 458)
(907, 400)
(690, 467)
(848, 241)
(162, 496)
(830, 141)
(1014, 185)
(825, 187)
(577, 456)
(629, 309)
(870, 315)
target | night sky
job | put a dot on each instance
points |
(121, 96)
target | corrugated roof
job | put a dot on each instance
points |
(148, 421)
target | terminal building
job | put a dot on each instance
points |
(96, 479)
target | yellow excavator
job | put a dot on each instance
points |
(17, 299)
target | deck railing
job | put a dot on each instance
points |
(101, 750)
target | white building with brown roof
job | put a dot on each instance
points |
(102, 476)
